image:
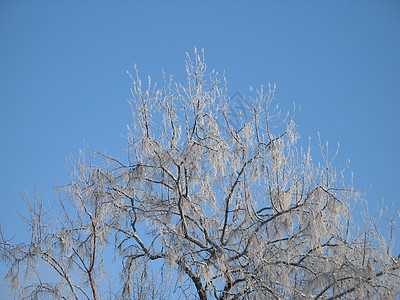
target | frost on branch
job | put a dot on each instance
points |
(215, 210)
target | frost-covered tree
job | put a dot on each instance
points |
(202, 208)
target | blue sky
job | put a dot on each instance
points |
(63, 81)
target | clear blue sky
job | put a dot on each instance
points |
(63, 78)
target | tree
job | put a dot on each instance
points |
(215, 210)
